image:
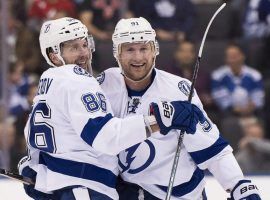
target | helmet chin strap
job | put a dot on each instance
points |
(89, 68)
(61, 58)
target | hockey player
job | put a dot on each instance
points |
(72, 136)
(145, 168)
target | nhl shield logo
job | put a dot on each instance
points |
(184, 87)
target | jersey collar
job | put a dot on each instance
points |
(141, 93)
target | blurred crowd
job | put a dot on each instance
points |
(234, 76)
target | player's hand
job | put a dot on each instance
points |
(26, 171)
(180, 115)
(244, 189)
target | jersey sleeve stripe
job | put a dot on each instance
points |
(205, 154)
(187, 187)
(92, 128)
(76, 169)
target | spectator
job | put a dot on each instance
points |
(27, 51)
(172, 19)
(254, 150)
(22, 119)
(185, 59)
(13, 26)
(249, 15)
(18, 8)
(252, 26)
(264, 16)
(264, 13)
(236, 87)
(7, 139)
(237, 90)
(140, 8)
(99, 16)
(206, 1)
(17, 89)
(1, 89)
(19, 145)
(41, 10)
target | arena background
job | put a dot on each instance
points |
(19, 50)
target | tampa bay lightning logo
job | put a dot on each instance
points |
(80, 71)
(131, 166)
(184, 87)
(47, 28)
(100, 78)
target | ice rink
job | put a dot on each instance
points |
(13, 190)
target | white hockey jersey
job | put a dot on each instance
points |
(149, 163)
(72, 136)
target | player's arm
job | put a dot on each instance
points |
(180, 115)
(210, 151)
(221, 94)
(92, 118)
(228, 173)
(119, 134)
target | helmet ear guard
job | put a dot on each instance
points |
(156, 44)
(55, 32)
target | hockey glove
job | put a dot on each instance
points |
(26, 171)
(180, 115)
(245, 190)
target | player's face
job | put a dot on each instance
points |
(185, 54)
(136, 59)
(234, 57)
(77, 52)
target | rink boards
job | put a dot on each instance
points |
(12, 190)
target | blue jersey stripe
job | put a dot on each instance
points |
(187, 187)
(92, 128)
(78, 169)
(205, 154)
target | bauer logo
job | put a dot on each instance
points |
(184, 87)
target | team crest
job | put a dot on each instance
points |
(80, 71)
(47, 28)
(184, 87)
(100, 78)
(128, 161)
